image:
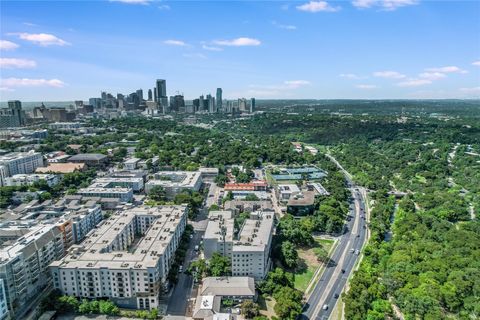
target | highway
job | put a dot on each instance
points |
(325, 294)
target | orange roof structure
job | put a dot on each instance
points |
(68, 167)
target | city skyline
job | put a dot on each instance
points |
(388, 49)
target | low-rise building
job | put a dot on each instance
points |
(61, 168)
(301, 204)
(175, 182)
(90, 159)
(29, 179)
(131, 164)
(214, 290)
(135, 183)
(286, 191)
(123, 194)
(248, 249)
(113, 262)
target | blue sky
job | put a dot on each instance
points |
(66, 50)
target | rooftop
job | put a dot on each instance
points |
(88, 157)
(95, 251)
(61, 167)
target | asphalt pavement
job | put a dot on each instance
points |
(180, 298)
(342, 262)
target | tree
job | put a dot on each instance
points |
(321, 254)
(289, 254)
(157, 193)
(219, 265)
(288, 303)
(249, 309)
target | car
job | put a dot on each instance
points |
(336, 295)
(352, 250)
(358, 236)
(197, 248)
(180, 269)
(191, 236)
(357, 252)
(343, 270)
(325, 307)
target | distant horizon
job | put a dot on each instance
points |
(357, 49)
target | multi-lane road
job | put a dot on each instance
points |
(342, 262)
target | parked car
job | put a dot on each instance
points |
(325, 307)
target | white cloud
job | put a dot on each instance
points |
(238, 42)
(29, 24)
(389, 75)
(195, 55)
(476, 63)
(366, 86)
(6, 89)
(164, 7)
(432, 75)
(13, 63)
(285, 6)
(178, 43)
(294, 84)
(25, 82)
(414, 82)
(470, 90)
(448, 69)
(42, 39)
(387, 5)
(317, 6)
(142, 2)
(350, 76)
(8, 45)
(210, 48)
(284, 26)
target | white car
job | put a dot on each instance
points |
(325, 307)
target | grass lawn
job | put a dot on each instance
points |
(266, 306)
(308, 264)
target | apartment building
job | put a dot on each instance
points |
(249, 248)
(127, 258)
(175, 182)
(135, 183)
(123, 194)
(24, 265)
(29, 179)
(18, 163)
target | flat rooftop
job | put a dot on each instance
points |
(93, 253)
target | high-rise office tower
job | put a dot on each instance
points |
(201, 103)
(242, 105)
(155, 95)
(13, 116)
(150, 95)
(219, 99)
(140, 94)
(252, 105)
(161, 88)
(162, 94)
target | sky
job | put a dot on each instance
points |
(360, 49)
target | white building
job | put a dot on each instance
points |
(134, 182)
(175, 182)
(249, 249)
(123, 194)
(131, 164)
(24, 265)
(83, 218)
(285, 191)
(65, 126)
(113, 263)
(29, 179)
(18, 163)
